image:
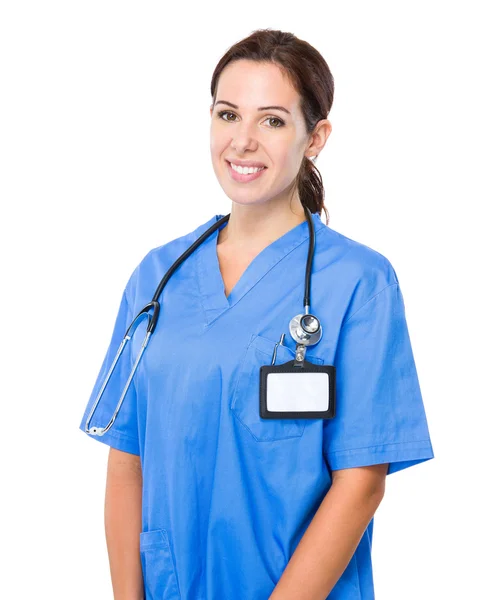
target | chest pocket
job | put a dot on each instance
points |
(245, 400)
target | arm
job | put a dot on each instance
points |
(333, 535)
(123, 524)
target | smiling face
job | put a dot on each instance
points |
(274, 137)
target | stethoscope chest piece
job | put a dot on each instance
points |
(305, 329)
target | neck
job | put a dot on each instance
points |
(256, 226)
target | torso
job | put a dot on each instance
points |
(196, 398)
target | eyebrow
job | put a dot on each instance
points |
(260, 108)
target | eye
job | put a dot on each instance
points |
(221, 114)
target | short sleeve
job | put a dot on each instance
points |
(380, 416)
(123, 434)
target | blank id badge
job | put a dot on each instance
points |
(297, 390)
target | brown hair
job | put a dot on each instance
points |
(309, 75)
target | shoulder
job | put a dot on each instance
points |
(357, 271)
(156, 262)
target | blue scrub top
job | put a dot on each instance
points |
(227, 495)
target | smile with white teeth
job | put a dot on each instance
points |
(246, 170)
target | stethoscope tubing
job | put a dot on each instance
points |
(154, 304)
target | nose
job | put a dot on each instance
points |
(243, 140)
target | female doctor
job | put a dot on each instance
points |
(206, 498)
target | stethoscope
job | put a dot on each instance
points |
(305, 328)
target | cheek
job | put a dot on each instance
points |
(218, 132)
(285, 161)
(283, 150)
(218, 143)
(213, 141)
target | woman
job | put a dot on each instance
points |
(206, 499)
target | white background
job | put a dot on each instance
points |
(104, 142)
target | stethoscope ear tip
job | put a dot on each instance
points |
(96, 430)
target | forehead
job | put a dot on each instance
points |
(250, 85)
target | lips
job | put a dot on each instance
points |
(256, 165)
(240, 177)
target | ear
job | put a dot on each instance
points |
(319, 137)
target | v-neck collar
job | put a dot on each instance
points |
(211, 284)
